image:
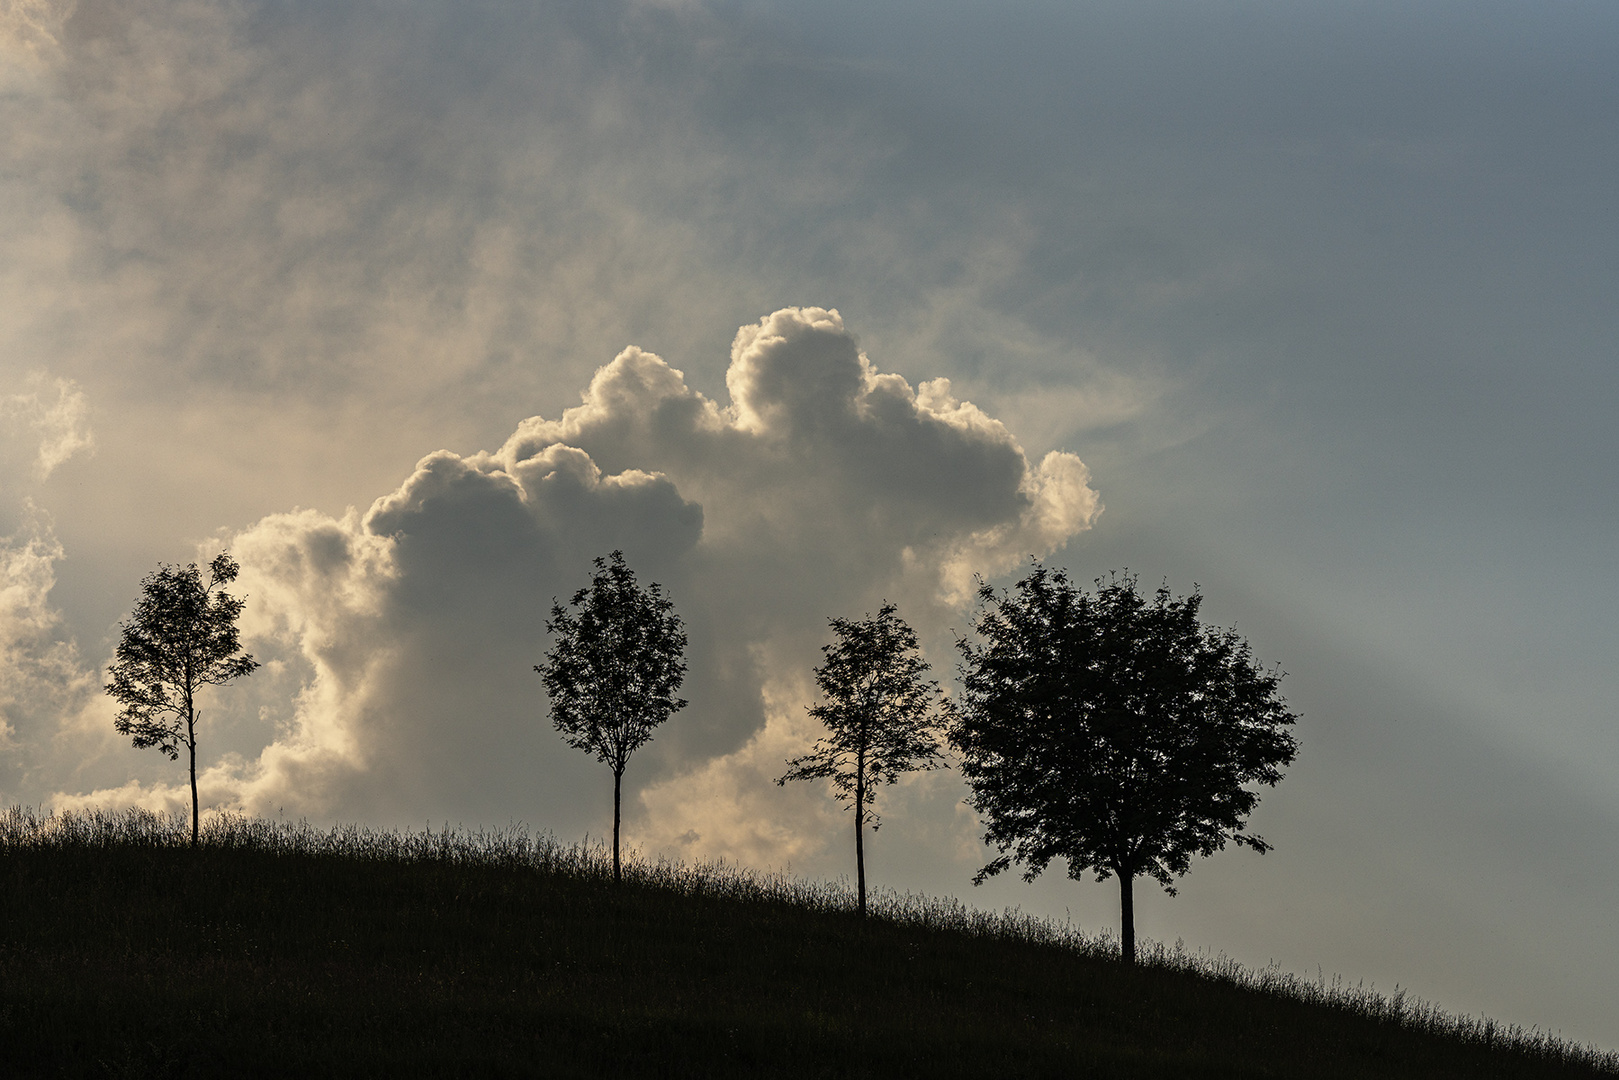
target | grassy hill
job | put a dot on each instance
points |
(277, 949)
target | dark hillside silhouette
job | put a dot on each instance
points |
(279, 949)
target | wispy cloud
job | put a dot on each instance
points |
(53, 414)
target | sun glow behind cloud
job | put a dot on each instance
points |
(820, 488)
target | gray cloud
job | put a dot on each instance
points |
(820, 488)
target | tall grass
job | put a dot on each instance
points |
(24, 829)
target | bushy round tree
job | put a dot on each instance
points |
(1113, 731)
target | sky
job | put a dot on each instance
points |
(416, 307)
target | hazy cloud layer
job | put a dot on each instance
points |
(820, 488)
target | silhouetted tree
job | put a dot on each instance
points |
(882, 718)
(613, 669)
(181, 638)
(1113, 731)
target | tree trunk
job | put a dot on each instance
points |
(1127, 918)
(618, 777)
(191, 745)
(860, 840)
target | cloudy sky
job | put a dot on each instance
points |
(416, 306)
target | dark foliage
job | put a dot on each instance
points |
(181, 638)
(613, 668)
(882, 718)
(1113, 731)
(276, 949)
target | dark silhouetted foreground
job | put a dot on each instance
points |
(283, 950)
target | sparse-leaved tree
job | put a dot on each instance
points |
(882, 718)
(613, 669)
(1113, 731)
(181, 638)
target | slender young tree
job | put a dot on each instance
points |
(613, 669)
(1113, 731)
(181, 638)
(882, 718)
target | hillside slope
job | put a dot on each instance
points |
(275, 950)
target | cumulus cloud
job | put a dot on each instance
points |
(44, 687)
(404, 637)
(42, 681)
(41, 677)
